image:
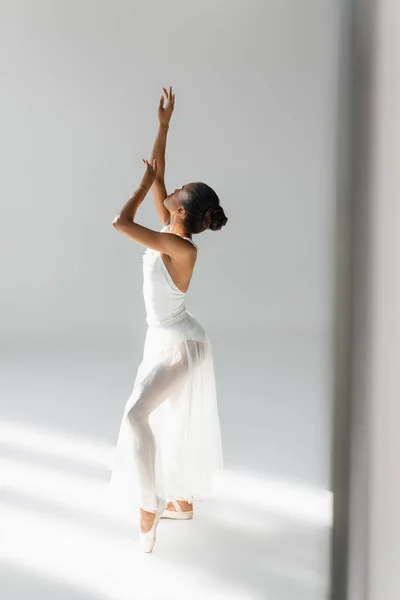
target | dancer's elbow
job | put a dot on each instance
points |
(120, 221)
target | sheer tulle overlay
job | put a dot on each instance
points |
(169, 443)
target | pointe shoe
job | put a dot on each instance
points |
(178, 513)
(148, 539)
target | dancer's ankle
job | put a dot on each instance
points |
(184, 504)
(146, 520)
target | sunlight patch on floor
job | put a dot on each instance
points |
(54, 524)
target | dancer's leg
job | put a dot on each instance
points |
(163, 380)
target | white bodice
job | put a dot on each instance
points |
(164, 301)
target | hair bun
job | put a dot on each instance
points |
(214, 218)
(207, 219)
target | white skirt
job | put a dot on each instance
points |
(169, 443)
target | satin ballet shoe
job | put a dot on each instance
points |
(178, 513)
(148, 539)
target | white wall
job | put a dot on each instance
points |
(255, 118)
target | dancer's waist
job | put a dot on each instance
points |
(166, 320)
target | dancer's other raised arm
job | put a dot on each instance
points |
(165, 109)
(168, 243)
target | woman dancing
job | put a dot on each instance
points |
(169, 447)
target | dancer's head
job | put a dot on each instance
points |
(197, 206)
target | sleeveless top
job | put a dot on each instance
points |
(164, 301)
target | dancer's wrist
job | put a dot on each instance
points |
(143, 190)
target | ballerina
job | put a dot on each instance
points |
(169, 448)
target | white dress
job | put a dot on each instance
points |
(169, 443)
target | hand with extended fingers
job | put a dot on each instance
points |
(149, 175)
(166, 106)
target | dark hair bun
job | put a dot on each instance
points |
(215, 218)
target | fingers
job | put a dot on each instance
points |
(168, 96)
(161, 105)
(171, 96)
(150, 167)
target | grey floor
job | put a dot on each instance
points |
(265, 536)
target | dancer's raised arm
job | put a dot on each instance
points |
(165, 109)
(168, 243)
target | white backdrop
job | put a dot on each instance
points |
(255, 118)
(256, 86)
